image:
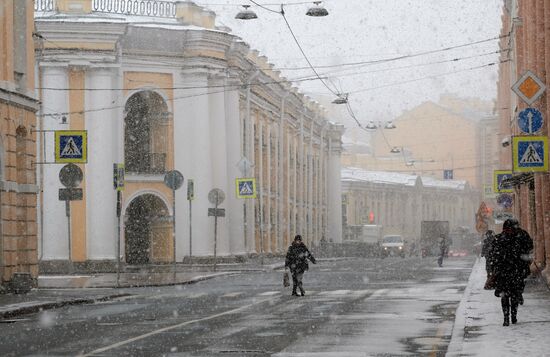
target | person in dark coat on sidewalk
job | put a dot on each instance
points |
(511, 251)
(487, 251)
(296, 260)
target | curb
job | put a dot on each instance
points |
(457, 337)
(48, 305)
(34, 307)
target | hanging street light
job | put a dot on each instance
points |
(341, 99)
(371, 126)
(246, 14)
(317, 10)
(390, 125)
(395, 150)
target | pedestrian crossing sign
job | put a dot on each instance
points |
(499, 176)
(530, 153)
(246, 187)
(71, 146)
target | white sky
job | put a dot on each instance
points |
(363, 30)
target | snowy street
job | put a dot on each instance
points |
(352, 307)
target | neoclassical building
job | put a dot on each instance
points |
(158, 86)
(399, 202)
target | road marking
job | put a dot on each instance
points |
(269, 293)
(229, 295)
(168, 328)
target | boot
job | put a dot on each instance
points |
(506, 321)
(302, 291)
(294, 291)
(514, 319)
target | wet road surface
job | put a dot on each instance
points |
(352, 307)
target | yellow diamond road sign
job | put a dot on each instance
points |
(529, 87)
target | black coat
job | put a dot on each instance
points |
(510, 259)
(296, 258)
(487, 251)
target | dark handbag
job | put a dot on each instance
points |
(490, 283)
(286, 279)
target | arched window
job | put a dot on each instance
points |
(145, 133)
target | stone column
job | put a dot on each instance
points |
(55, 241)
(334, 192)
(219, 145)
(268, 192)
(102, 128)
(192, 156)
(234, 206)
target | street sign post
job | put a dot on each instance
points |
(118, 185)
(530, 153)
(216, 197)
(498, 177)
(174, 180)
(118, 176)
(245, 187)
(71, 146)
(190, 198)
(530, 120)
(70, 176)
(529, 87)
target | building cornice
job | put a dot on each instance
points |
(18, 99)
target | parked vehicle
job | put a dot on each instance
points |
(392, 246)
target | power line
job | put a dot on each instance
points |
(429, 77)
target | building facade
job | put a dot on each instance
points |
(525, 35)
(164, 88)
(18, 105)
(431, 139)
(399, 202)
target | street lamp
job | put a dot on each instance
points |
(371, 126)
(395, 150)
(390, 125)
(246, 14)
(317, 10)
(341, 99)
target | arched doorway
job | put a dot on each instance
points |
(146, 133)
(148, 230)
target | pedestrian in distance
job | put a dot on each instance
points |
(511, 250)
(443, 249)
(296, 260)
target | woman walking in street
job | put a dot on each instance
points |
(511, 262)
(296, 261)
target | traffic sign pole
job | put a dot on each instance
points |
(118, 213)
(174, 228)
(173, 179)
(216, 232)
(68, 214)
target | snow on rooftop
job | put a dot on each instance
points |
(360, 175)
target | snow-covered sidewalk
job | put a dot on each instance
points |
(478, 329)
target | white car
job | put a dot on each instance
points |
(392, 245)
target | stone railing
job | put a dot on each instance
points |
(155, 8)
(44, 5)
(184, 11)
